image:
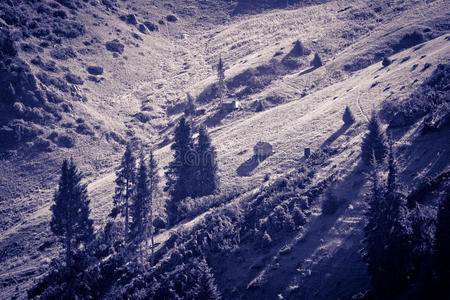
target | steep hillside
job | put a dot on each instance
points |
(83, 78)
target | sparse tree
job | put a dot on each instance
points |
(70, 212)
(179, 171)
(373, 142)
(206, 180)
(317, 61)
(125, 180)
(348, 117)
(221, 87)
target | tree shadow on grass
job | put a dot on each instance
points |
(335, 135)
(249, 165)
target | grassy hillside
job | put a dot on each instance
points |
(137, 97)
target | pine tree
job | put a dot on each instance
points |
(206, 181)
(316, 62)
(153, 180)
(139, 208)
(298, 49)
(221, 87)
(374, 235)
(125, 180)
(398, 232)
(373, 142)
(205, 287)
(348, 117)
(70, 212)
(387, 235)
(179, 170)
(441, 249)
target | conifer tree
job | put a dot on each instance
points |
(139, 208)
(125, 180)
(387, 234)
(316, 62)
(70, 212)
(398, 231)
(221, 87)
(206, 171)
(348, 117)
(153, 180)
(374, 235)
(373, 142)
(179, 171)
(441, 249)
(205, 287)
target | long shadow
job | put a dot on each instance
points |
(249, 165)
(215, 119)
(335, 135)
(307, 71)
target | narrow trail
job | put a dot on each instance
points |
(360, 108)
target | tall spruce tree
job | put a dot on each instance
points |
(125, 180)
(387, 234)
(153, 181)
(139, 208)
(374, 142)
(398, 232)
(205, 178)
(179, 171)
(70, 212)
(348, 117)
(441, 249)
(374, 235)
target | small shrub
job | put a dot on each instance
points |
(115, 46)
(74, 79)
(317, 61)
(63, 53)
(330, 205)
(159, 223)
(260, 106)
(150, 26)
(95, 70)
(386, 61)
(171, 18)
(298, 216)
(298, 49)
(84, 128)
(348, 117)
(66, 141)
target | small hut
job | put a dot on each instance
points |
(262, 150)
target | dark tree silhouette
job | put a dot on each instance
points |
(139, 208)
(179, 171)
(153, 180)
(387, 235)
(205, 287)
(373, 142)
(221, 87)
(125, 180)
(70, 212)
(298, 49)
(348, 117)
(441, 251)
(317, 61)
(189, 109)
(205, 178)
